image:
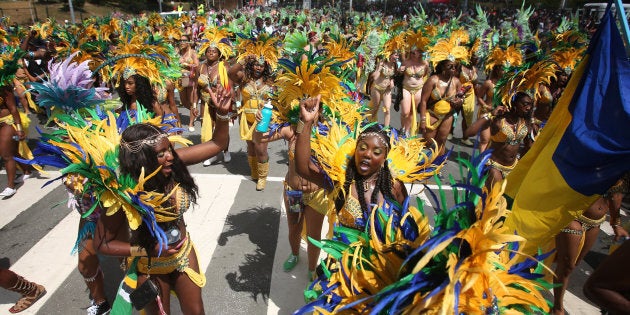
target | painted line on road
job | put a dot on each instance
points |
(205, 221)
(28, 194)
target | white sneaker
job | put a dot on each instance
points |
(33, 174)
(227, 157)
(8, 192)
(209, 161)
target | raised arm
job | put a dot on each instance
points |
(309, 113)
(220, 138)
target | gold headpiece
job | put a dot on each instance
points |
(415, 40)
(394, 44)
(448, 49)
(263, 48)
(340, 50)
(216, 38)
(137, 145)
(134, 56)
(113, 27)
(510, 57)
(567, 59)
(526, 81)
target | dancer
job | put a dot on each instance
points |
(609, 284)
(577, 239)
(415, 72)
(442, 94)
(212, 72)
(187, 89)
(496, 64)
(509, 130)
(253, 74)
(13, 125)
(381, 88)
(171, 264)
(468, 77)
(386, 247)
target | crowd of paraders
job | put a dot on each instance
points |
(106, 90)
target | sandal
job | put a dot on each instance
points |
(27, 300)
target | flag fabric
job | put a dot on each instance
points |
(584, 148)
(122, 302)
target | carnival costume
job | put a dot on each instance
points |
(9, 64)
(415, 40)
(254, 94)
(213, 38)
(396, 263)
(439, 105)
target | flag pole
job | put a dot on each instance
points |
(621, 16)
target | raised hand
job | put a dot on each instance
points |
(309, 109)
(222, 98)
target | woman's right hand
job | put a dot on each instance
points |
(222, 99)
(309, 109)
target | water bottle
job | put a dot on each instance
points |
(263, 124)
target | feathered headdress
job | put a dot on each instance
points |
(567, 59)
(111, 27)
(448, 49)
(135, 56)
(394, 44)
(409, 159)
(264, 48)
(510, 57)
(9, 64)
(526, 80)
(155, 19)
(341, 51)
(171, 32)
(216, 38)
(415, 40)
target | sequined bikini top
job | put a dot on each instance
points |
(507, 135)
(415, 74)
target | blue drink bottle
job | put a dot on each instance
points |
(263, 125)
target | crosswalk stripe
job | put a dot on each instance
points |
(205, 221)
(23, 198)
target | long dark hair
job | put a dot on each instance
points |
(384, 180)
(267, 74)
(132, 163)
(144, 93)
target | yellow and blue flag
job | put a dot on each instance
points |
(584, 148)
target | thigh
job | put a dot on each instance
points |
(188, 293)
(8, 146)
(444, 128)
(405, 104)
(314, 221)
(376, 98)
(567, 246)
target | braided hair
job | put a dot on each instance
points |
(384, 180)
